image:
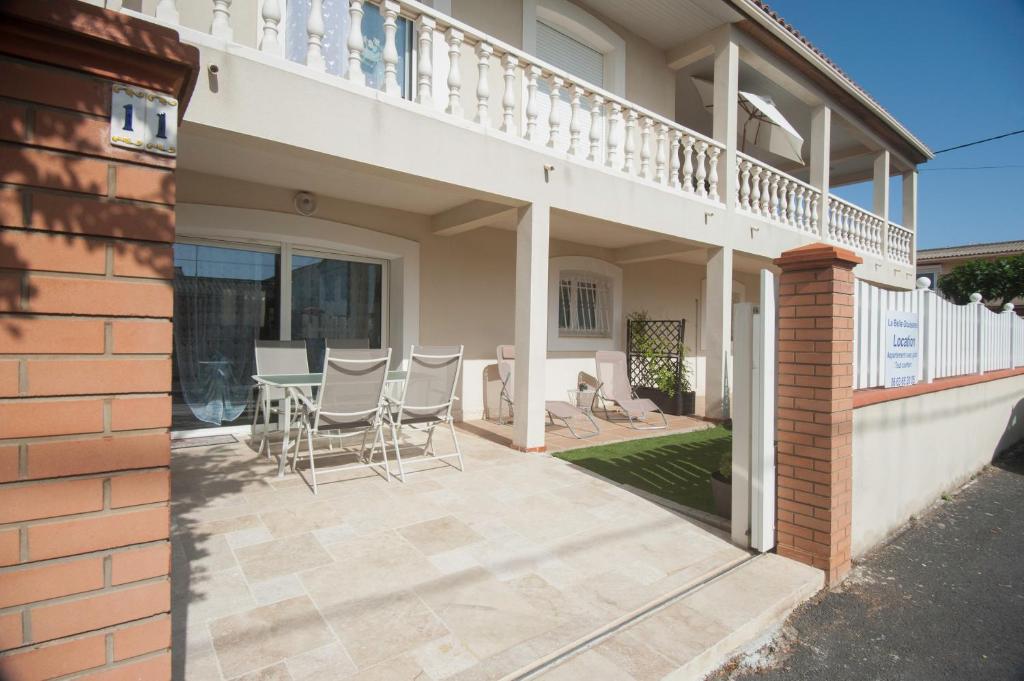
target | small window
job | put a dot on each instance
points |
(569, 54)
(584, 305)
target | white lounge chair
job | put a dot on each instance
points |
(556, 409)
(349, 402)
(276, 357)
(426, 399)
(613, 386)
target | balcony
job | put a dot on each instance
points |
(407, 53)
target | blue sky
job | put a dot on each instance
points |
(952, 71)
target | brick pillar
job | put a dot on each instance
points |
(85, 342)
(815, 407)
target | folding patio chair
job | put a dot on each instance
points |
(613, 386)
(348, 402)
(276, 357)
(556, 409)
(426, 399)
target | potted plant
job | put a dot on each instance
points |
(666, 374)
(721, 485)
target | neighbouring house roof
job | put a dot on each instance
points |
(759, 10)
(970, 250)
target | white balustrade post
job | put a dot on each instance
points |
(755, 189)
(688, 142)
(928, 329)
(508, 100)
(220, 26)
(167, 10)
(980, 337)
(390, 53)
(661, 154)
(1012, 319)
(676, 138)
(315, 36)
(783, 203)
(355, 42)
(745, 184)
(814, 213)
(614, 134)
(630, 141)
(791, 204)
(773, 200)
(702, 171)
(555, 115)
(271, 13)
(454, 38)
(765, 183)
(532, 75)
(713, 153)
(575, 120)
(645, 148)
(483, 88)
(596, 109)
(424, 59)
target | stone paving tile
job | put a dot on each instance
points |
(439, 535)
(282, 557)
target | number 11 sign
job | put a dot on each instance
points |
(144, 120)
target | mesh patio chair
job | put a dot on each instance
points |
(348, 402)
(276, 357)
(613, 386)
(556, 409)
(426, 399)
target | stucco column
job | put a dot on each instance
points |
(726, 95)
(821, 150)
(531, 326)
(718, 333)
(814, 407)
(910, 200)
(880, 195)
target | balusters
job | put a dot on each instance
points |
(614, 134)
(355, 42)
(688, 142)
(271, 13)
(220, 26)
(315, 37)
(673, 159)
(454, 38)
(783, 193)
(745, 184)
(713, 173)
(645, 148)
(555, 117)
(390, 10)
(483, 87)
(508, 100)
(791, 204)
(702, 171)
(425, 68)
(844, 225)
(661, 154)
(765, 183)
(833, 227)
(596, 108)
(801, 207)
(575, 120)
(755, 189)
(814, 213)
(773, 200)
(532, 74)
(167, 10)
(629, 143)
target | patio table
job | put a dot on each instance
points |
(294, 382)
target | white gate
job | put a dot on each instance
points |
(753, 420)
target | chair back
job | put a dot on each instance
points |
(347, 343)
(430, 383)
(280, 357)
(352, 389)
(506, 367)
(612, 375)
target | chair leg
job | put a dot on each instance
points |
(256, 412)
(458, 448)
(379, 435)
(266, 423)
(312, 465)
(429, 447)
(298, 443)
(398, 452)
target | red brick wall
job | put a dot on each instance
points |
(814, 407)
(85, 374)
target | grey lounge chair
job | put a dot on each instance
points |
(348, 402)
(556, 409)
(426, 399)
(613, 386)
(276, 357)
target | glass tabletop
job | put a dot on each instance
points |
(303, 380)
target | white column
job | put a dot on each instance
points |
(821, 150)
(910, 201)
(531, 325)
(718, 332)
(880, 194)
(726, 92)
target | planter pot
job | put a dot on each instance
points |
(682, 404)
(721, 491)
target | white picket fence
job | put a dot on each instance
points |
(954, 340)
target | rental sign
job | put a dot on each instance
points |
(902, 349)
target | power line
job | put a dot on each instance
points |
(971, 168)
(987, 139)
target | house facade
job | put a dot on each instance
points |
(932, 263)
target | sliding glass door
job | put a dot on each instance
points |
(227, 296)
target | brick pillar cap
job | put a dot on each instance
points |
(817, 256)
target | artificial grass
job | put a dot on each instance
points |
(674, 467)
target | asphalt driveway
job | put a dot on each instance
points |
(944, 600)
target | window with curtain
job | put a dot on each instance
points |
(584, 305)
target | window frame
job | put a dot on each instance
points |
(564, 267)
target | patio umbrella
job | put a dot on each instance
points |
(760, 121)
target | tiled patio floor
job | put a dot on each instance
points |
(451, 575)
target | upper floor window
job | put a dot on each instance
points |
(569, 54)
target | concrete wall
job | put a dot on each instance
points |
(908, 452)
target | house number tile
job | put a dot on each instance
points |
(143, 120)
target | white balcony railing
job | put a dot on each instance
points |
(855, 227)
(900, 244)
(776, 196)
